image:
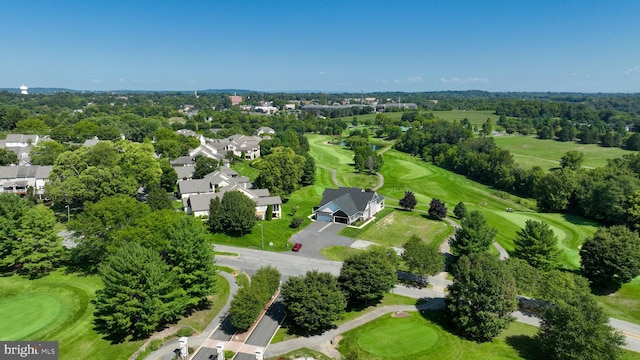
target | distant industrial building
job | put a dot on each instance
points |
(24, 90)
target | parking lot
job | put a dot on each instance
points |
(318, 235)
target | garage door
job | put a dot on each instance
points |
(323, 217)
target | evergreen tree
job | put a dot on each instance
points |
(482, 297)
(437, 209)
(39, 249)
(460, 211)
(308, 171)
(408, 202)
(159, 199)
(138, 295)
(12, 210)
(537, 244)
(474, 235)
(190, 257)
(216, 215)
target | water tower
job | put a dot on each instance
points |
(23, 89)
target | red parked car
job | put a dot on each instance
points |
(296, 247)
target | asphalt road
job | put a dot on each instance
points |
(295, 264)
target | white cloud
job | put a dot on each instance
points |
(632, 70)
(321, 72)
(466, 80)
(397, 81)
(122, 80)
(414, 79)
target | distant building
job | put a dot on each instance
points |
(235, 99)
(24, 90)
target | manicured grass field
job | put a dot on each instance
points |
(424, 335)
(57, 307)
(394, 227)
(403, 172)
(421, 336)
(338, 253)
(530, 151)
(199, 320)
(475, 117)
(625, 303)
(341, 159)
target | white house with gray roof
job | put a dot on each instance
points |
(21, 145)
(16, 179)
(196, 194)
(348, 205)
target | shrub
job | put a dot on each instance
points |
(185, 331)
(295, 222)
(155, 345)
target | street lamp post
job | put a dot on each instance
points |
(262, 235)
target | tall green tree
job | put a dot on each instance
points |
(572, 160)
(611, 257)
(308, 171)
(367, 275)
(7, 157)
(460, 211)
(46, 152)
(97, 226)
(422, 258)
(633, 211)
(138, 295)
(474, 235)
(169, 177)
(204, 165)
(190, 257)
(216, 216)
(12, 211)
(574, 326)
(537, 244)
(159, 199)
(313, 302)
(239, 212)
(482, 297)
(39, 249)
(281, 171)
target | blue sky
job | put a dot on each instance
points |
(514, 45)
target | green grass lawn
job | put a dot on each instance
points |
(402, 172)
(396, 338)
(284, 333)
(57, 307)
(199, 320)
(394, 227)
(529, 151)
(624, 304)
(475, 117)
(338, 253)
(338, 158)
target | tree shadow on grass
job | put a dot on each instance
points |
(526, 346)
